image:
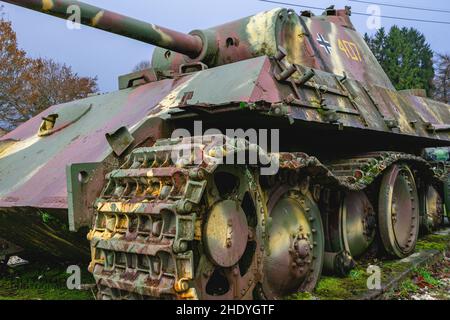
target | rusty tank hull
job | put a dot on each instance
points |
(351, 165)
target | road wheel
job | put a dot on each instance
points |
(295, 245)
(398, 211)
(432, 209)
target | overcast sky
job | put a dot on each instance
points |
(92, 52)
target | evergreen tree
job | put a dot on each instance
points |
(405, 56)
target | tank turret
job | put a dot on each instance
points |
(246, 38)
(308, 40)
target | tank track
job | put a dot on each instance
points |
(358, 172)
(146, 220)
(137, 241)
(147, 217)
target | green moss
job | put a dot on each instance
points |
(46, 218)
(301, 296)
(332, 288)
(356, 274)
(41, 282)
(44, 294)
(355, 284)
(243, 105)
(393, 266)
(433, 242)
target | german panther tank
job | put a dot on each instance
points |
(248, 159)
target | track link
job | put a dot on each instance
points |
(144, 224)
(358, 172)
(148, 217)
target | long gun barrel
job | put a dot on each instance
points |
(95, 17)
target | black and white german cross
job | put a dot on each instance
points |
(324, 43)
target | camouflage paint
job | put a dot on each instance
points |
(360, 64)
(28, 160)
(145, 233)
(315, 71)
(32, 170)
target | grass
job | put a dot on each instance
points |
(407, 288)
(355, 284)
(422, 277)
(41, 282)
(427, 278)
